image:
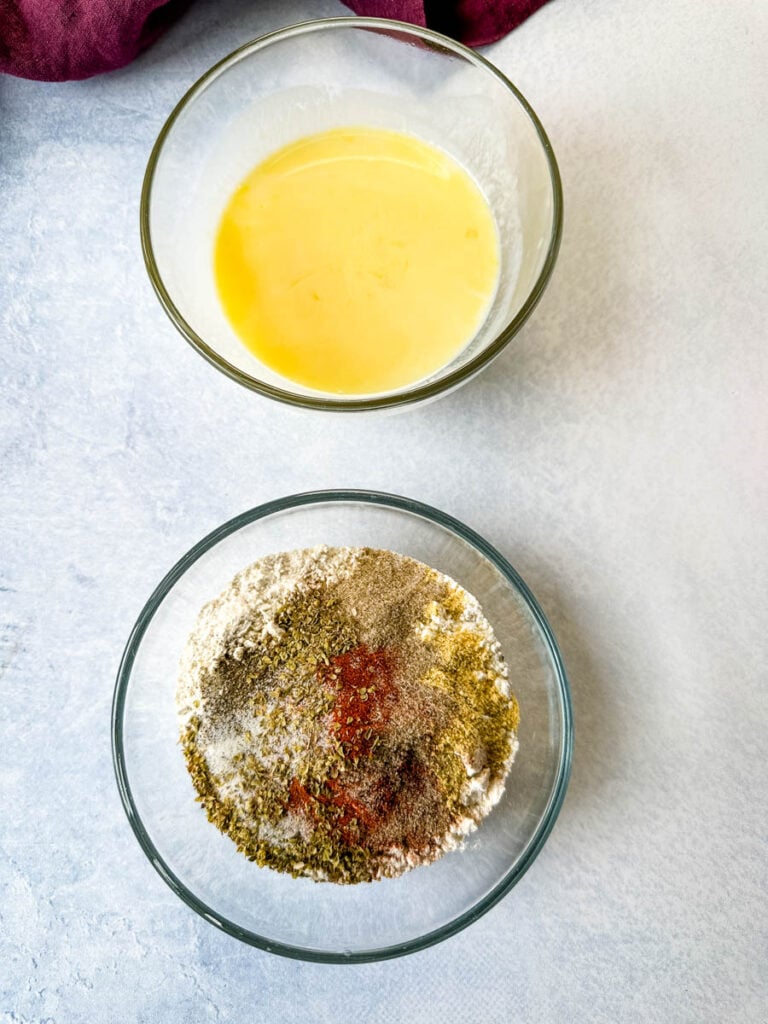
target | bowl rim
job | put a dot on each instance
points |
(348, 404)
(544, 826)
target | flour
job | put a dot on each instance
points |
(345, 713)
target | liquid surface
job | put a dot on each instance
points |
(357, 260)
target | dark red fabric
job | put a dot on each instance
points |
(475, 22)
(56, 40)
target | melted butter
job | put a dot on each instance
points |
(357, 260)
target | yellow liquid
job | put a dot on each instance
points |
(357, 260)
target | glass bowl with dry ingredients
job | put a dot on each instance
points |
(341, 726)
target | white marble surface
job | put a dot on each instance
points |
(616, 453)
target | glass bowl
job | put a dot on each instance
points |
(340, 72)
(298, 917)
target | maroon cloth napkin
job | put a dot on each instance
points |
(56, 40)
(475, 22)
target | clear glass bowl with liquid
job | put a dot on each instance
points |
(338, 73)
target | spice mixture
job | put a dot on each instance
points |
(345, 713)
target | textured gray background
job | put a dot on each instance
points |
(616, 453)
